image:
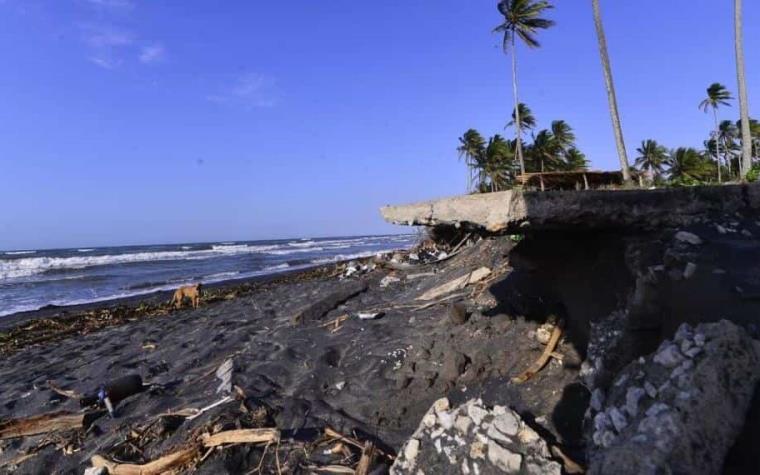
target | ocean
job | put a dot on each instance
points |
(32, 279)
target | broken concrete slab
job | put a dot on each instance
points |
(514, 211)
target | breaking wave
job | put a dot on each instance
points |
(30, 266)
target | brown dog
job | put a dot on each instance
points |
(192, 292)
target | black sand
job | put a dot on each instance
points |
(371, 378)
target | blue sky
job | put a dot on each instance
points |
(136, 121)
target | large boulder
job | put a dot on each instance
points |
(473, 439)
(678, 410)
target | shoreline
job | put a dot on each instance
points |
(158, 297)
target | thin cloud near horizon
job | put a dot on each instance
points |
(152, 53)
(250, 90)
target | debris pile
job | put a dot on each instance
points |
(473, 439)
(664, 411)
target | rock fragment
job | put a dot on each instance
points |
(687, 237)
(479, 441)
(689, 401)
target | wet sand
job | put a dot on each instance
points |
(373, 379)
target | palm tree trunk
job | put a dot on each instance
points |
(717, 146)
(611, 96)
(517, 108)
(746, 162)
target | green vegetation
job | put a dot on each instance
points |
(731, 152)
(717, 95)
(493, 165)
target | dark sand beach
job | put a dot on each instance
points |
(370, 379)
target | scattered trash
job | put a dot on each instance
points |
(224, 374)
(388, 280)
(110, 394)
(370, 315)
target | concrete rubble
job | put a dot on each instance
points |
(678, 410)
(473, 439)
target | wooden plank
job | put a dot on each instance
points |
(157, 467)
(42, 424)
(241, 436)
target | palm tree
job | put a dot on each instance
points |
(497, 162)
(575, 160)
(527, 120)
(471, 148)
(717, 95)
(727, 135)
(652, 158)
(754, 130)
(521, 19)
(543, 152)
(742, 80)
(611, 96)
(689, 167)
(564, 137)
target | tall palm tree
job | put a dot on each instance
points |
(521, 20)
(611, 96)
(727, 135)
(754, 131)
(652, 158)
(471, 148)
(717, 95)
(527, 120)
(742, 80)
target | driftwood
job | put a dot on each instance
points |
(15, 462)
(71, 394)
(242, 436)
(334, 434)
(457, 284)
(543, 359)
(571, 466)
(367, 459)
(336, 323)
(184, 456)
(337, 469)
(159, 466)
(45, 423)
